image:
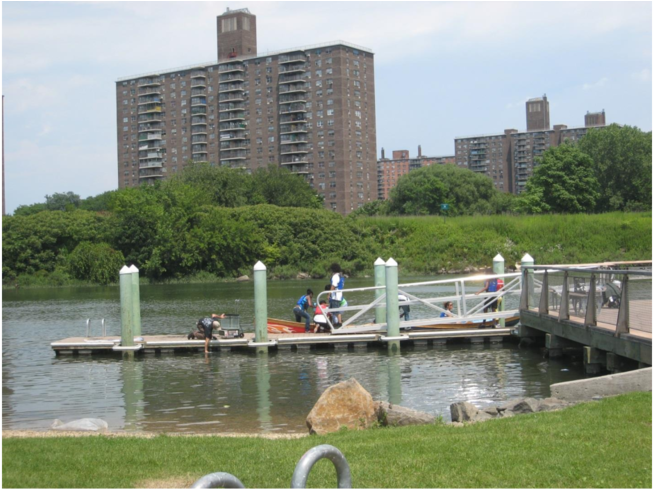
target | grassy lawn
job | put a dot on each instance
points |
(597, 444)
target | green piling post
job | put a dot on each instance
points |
(498, 267)
(136, 301)
(527, 260)
(126, 308)
(261, 305)
(392, 302)
(379, 281)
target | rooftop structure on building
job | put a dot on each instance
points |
(508, 158)
(390, 170)
(310, 109)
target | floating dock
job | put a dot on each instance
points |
(179, 343)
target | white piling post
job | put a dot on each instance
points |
(261, 305)
(126, 308)
(527, 260)
(379, 281)
(392, 302)
(136, 301)
(498, 267)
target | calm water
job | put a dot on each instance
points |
(231, 391)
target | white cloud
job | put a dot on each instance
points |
(643, 75)
(601, 83)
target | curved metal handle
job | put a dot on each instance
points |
(319, 452)
(217, 479)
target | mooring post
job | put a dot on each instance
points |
(261, 305)
(379, 281)
(126, 308)
(528, 261)
(498, 267)
(136, 301)
(392, 302)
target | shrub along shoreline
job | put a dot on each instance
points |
(55, 248)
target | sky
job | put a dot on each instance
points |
(442, 70)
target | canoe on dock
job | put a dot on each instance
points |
(283, 326)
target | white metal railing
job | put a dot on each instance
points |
(469, 304)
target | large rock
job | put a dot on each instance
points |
(553, 404)
(344, 404)
(520, 406)
(462, 411)
(303, 276)
(242, 278)
(393, 415)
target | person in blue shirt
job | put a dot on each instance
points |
(448, 308)
(301, 307)
(491, 285)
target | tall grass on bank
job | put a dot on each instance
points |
(597, 444)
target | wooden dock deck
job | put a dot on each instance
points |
(180, 343)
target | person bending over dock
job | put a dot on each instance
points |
(300, 308)
(208, 324)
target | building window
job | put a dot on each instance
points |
(229, 25)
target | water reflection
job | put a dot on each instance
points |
(231, 391)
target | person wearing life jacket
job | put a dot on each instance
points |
(300, 308)
(337, 283)
(491, 285)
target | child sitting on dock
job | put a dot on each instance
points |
(320, 318)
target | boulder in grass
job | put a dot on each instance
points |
(394, 415)
(553, 404)
(463, 411)
(242, 278)
(346, 404)
(521, 406)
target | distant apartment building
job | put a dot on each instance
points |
(309, 109)
(2, 148)
(593, 119)
(390, 170)
(508, 158)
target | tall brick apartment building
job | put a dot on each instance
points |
(389, 170)
(309, 109)
(508, 158)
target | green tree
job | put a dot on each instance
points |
(278, 186)
(373, 208)
(221, 186)
(96, 262)
(62, 201)
(563, 182)
(28, 210)
(98, 203)
(622, 163)
(421, 192)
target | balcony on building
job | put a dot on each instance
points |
(230, 87)
(198, 139)
(152, 119)
(294, 149)
(227, 145)
(292, 58)
(199, 148)
(199, 129)
(293, 138)
(198, 74)
(150, 81)
(198, 119)
(198, 110)
(284, 79)
(290, 118)
(294, 68)
(237, 155)
(150, 164)
(156, 90)
(148, 99)
(232, 116)
(149, 155)
(152, 173)
(294, 88)
(231, 67)
(292, 108)
(293, 159)
(150, 136)
(149, 108)
(291, 99)
(231, 97)
(198, 83)
(194, 92)
(230, 126)
(232, 77)
(231, 106)
(233, 136)
(295, 128)
(197, 101)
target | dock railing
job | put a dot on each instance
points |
(613, 297)
(429, 298)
